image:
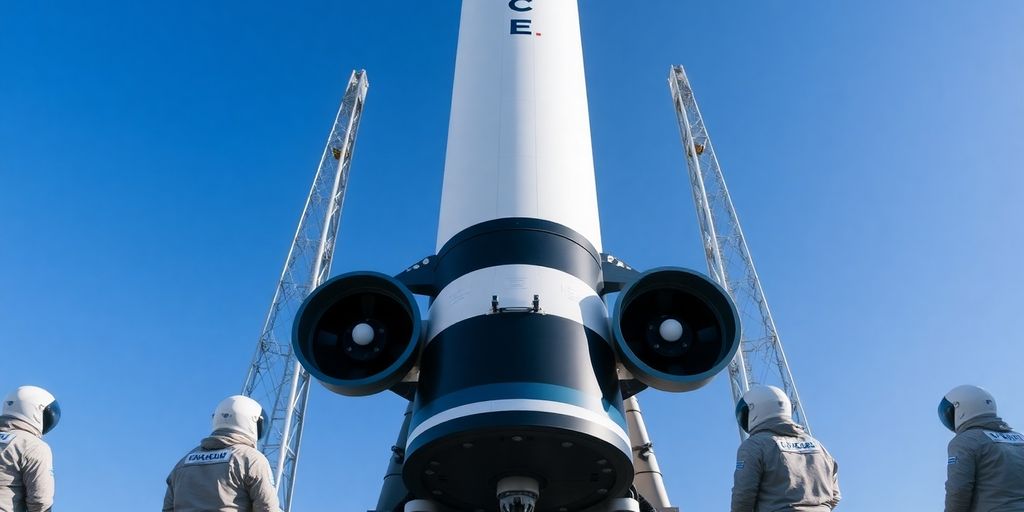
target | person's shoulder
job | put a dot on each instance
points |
(26, 446)
(248, 452)
(31, 444)
(250, 457)
(968, 438)
(761, 435)
(759, 440)
(971, 434)
(819, 444)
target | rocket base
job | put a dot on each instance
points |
(575, 469)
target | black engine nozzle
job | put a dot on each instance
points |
(675, 329)
(358, 333)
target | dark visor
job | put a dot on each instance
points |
(743, 414)
(261, 425)
(51, 416)
(946, 412)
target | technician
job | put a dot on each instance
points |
(985, 468)
(780, 467)
(26, 462)
(226, 472)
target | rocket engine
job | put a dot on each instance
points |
(517, 404)
(675, 329)
(358, 334)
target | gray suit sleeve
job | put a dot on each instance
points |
(37, 473)
(960, 469)
(169, 496)
(747, 479)
(836, 495)
(260, 484)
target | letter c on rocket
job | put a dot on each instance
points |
(514, 5)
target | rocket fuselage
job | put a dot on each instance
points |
(518, 372)
(517, 396)
(519, 136)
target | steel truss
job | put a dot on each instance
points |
(761, 359)
(275, 379)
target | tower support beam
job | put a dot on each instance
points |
(275, 378)
(760, 359)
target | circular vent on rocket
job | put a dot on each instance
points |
(675, 329)
(358, 333)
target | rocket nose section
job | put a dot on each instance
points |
(519, 141)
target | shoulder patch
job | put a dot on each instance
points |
(797, 445)
(952, 460)
(1004, 437)
(740, 465)
(6, 437)
(215, 457)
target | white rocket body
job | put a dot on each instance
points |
(519, 136)
(518, 361)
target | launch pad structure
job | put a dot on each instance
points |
(361, 333)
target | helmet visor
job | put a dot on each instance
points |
(946, 413)
(743, 414)
(51, 416)
(261, 425)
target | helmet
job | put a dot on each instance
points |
(34, 405)
(240, 414)
(964, 403)
(761, 403)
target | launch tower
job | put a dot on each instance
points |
(761, 359)
(275, 378)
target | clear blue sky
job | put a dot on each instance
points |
(154, 159)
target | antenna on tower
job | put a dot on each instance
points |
(760, 359)
(275, 379)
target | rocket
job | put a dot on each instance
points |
(517, 373)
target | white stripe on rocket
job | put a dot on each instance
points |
(519, 135)
(560, 294)
(518, 405)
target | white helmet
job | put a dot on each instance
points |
(762, 403)
(964, 403)
(240, 414)
(34, 405)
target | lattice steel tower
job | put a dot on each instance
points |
(275, 379)
(761, 359)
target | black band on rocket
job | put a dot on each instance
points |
(520, 348)
(521, 241)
